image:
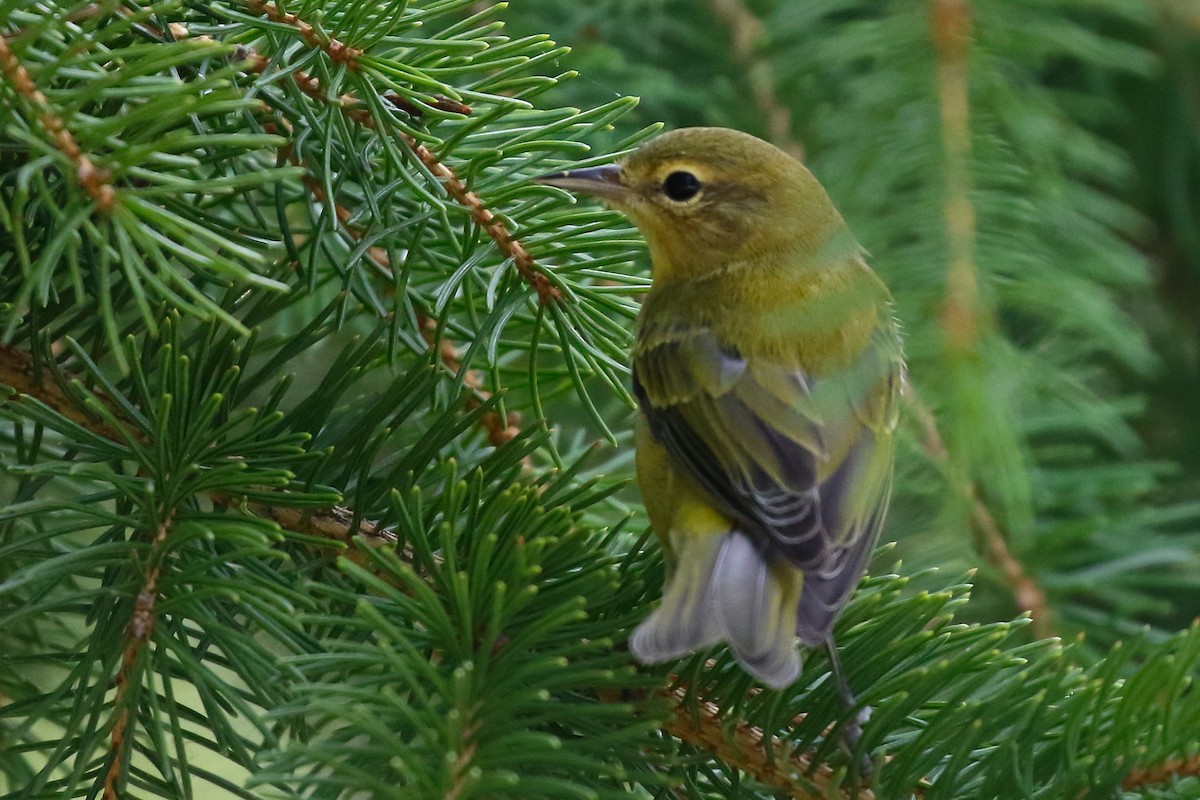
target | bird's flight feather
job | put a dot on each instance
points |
(803, 465)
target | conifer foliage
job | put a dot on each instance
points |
(315, 427)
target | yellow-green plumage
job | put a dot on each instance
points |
(767, 367)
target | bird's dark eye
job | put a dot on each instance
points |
(681, 186)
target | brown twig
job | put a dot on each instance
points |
(461, 768)
(377, 254)
(766, 758)
(18, 370)
(745, 31)
(1178, 15)
(438, 101)
(1029, 595)
(950, 28)
(340, 52)
(1168, 770)
(95, 181)
(500, 428)
(137, 634)
(335, 524)
(492, 225)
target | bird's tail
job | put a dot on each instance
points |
(724, 588)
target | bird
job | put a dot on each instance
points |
(767, 367)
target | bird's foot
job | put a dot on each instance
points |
(851, 735)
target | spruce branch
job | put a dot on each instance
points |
(770, 761)
(344, 214)
(78, 15)
(700, 725)
(336, 524)
(95, 181)
(500, 428)
(454, 186)
(137, 635)
(18, 372)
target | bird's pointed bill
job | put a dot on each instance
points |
(603, 181)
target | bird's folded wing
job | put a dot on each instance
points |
(803, 465)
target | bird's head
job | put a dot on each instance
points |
(707, 197)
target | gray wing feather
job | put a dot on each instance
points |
(764, 469)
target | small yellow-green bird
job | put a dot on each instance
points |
(767, 367)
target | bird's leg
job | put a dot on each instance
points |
(852, 733)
